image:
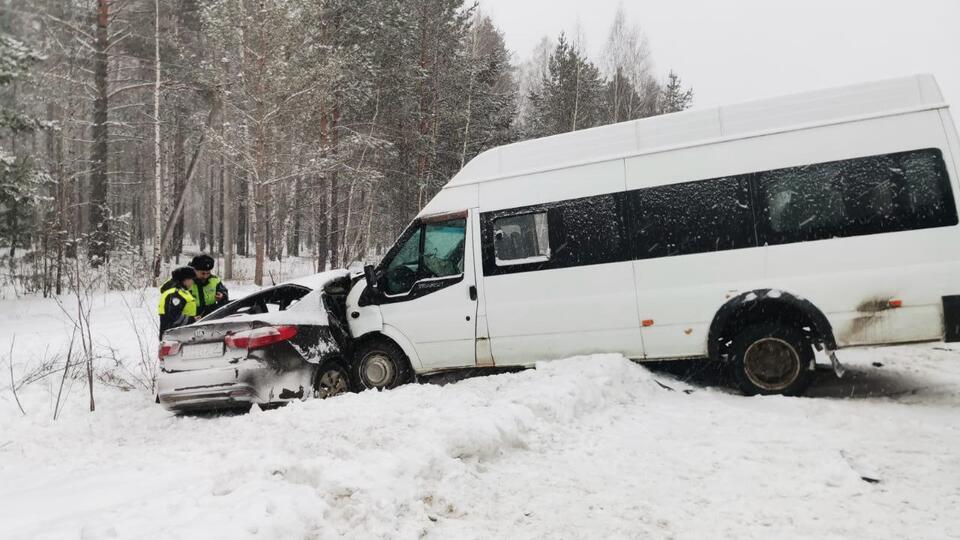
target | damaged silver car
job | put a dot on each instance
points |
(281, 344)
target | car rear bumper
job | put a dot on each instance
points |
(223, 388)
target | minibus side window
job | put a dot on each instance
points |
(803, 202)
(521, 239)
(693, 217)
(855, 197)
(589, 231)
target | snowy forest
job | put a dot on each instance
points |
(134, 131)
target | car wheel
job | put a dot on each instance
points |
(771, 359)
(332, 379)
(381, 365)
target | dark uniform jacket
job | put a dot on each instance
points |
(177, 308)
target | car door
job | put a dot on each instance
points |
(428, 291)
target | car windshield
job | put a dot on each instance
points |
(269, 301)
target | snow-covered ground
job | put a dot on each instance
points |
(592, 447)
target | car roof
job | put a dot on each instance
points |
(316, 281)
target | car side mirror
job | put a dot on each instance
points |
(371, 276)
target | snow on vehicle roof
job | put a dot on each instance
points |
(315, 281)
(703, 126)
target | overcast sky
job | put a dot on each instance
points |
(735, 50)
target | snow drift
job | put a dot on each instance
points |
(581, 448)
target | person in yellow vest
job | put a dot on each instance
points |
(177, 305)
(208, 290)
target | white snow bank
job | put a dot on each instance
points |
(589, 447)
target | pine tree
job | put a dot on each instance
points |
(490, 92)
(22, 184)
(673, 97)
(571, 96)
(16, 59)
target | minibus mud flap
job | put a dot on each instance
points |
(951, 319)
(835, 362)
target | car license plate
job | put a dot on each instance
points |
(205, 350)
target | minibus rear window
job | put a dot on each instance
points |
(855, 197)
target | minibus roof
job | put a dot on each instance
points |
(704, 126)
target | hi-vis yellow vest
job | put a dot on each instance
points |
(189, 310)
(209, 291)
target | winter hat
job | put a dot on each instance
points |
(182, 273)
(202, 262)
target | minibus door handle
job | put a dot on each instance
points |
(473, 292)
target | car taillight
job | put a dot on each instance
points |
(260, 337)
(168, 348)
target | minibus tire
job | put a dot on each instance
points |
(390, 365)
(771, 359)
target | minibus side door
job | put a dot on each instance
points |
(428, 291)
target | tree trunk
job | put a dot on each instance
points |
(100, 239)
(243, 213)
(293, 246)
(228, 235)
(211, 211)
(259, 173)
(157, 178)
(179, 182)
(468, 113)
(326, 206)
(335, 233)
(425, 93)
(227, 209)
(323, 225)
(256, 201)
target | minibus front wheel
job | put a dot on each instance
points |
(381, 364)
(772, 358)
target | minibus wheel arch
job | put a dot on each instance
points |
(764, 305)
(393, 359)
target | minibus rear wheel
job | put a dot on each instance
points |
(382, 365)
(771, 358)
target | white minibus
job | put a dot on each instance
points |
(751, 234)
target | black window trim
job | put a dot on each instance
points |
(627, 204)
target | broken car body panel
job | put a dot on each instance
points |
(206, 372)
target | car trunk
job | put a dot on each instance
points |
(202, 346)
